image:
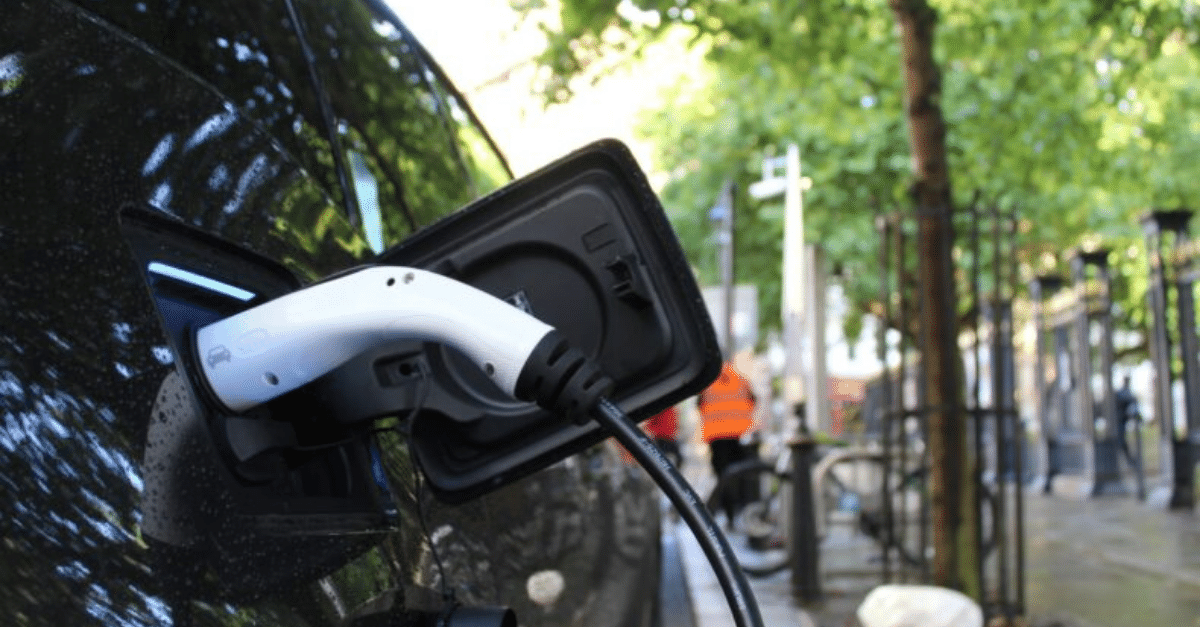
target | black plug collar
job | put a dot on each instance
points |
(561, 379)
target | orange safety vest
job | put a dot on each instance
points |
(726, 406)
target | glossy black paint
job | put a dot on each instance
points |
(196, 118)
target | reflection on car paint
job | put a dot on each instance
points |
(212, 128)
(11, 73)
(159, 155)
(198, 280)
(106, 523)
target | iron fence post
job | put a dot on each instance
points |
(805, 555)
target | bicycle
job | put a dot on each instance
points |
(846, 481)
(764, 516)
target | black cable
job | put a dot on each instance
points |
(422, 516)
(716, 547)
(419, 485)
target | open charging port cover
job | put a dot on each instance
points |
(584, 245)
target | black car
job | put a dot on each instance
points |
(167, 163)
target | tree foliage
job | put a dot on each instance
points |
(1076, 113)
(1079, 113)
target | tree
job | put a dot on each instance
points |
(1078, 112)
(1059, 109)
(949, 478)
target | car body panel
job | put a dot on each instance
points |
(120, 510)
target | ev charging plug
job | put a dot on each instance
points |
(269, 350)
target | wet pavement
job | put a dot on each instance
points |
(708, 605)
(710, 609)
(1111, 562)
(1106, 562)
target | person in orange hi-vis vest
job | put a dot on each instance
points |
(727, 413)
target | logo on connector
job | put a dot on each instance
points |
(218, 354)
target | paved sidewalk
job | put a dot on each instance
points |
(774, 596)
(1111, 562)
(1108, 562)
(709, 607)
(1102, 562)
(708, 601)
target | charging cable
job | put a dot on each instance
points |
(690, 507)
(259, 354)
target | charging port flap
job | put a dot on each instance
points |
(585, 246)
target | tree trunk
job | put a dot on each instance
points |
(955, 560)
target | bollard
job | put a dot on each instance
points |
(804, 555)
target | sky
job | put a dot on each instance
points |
(476, 41)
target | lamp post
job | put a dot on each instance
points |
(723, 214)
(1171, 281)
(1040, 289)
(1094, 331)
(798, 381)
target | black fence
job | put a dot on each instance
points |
(895, 408)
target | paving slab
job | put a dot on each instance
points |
(1111, 562)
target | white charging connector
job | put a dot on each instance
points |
(274, 348)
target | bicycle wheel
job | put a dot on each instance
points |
(910, 533)
(910, 511)
(852, 502)
(762, 516)
(849, 496)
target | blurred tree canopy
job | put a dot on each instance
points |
(1080, 114)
